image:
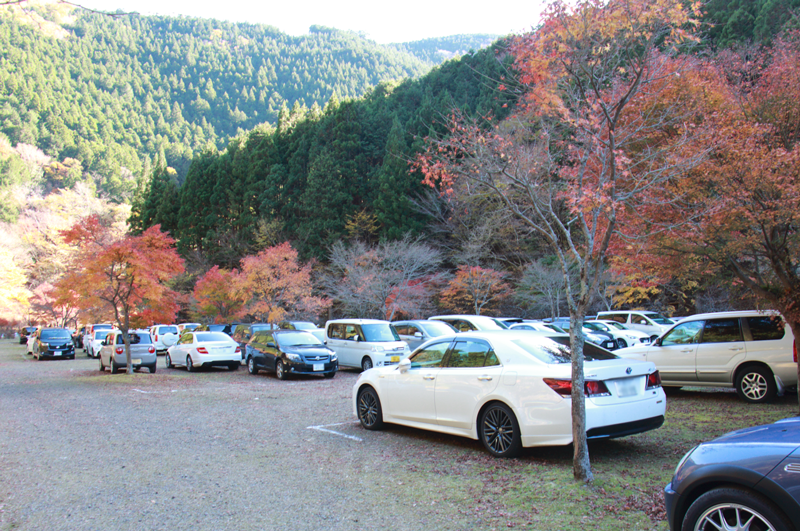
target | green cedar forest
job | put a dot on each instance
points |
(230, 134)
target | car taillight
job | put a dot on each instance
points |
(156, 337)
(151, 349)
(794, 350)
(653, 381)
(590, 388)
(238, 350)
(202, 350)
(119, 350)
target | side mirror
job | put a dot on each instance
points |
(404, 364)
(418, 334)
(356, 338)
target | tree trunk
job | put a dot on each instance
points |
(581, 467)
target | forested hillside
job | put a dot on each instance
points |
(438, 50)
(106, 94)
(319, 176)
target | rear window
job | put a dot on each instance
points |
(211, 336)
(556, 350)
(101, 334)
(765, 328)
(55, 334)
(167, 329)
(262, 327)
(135, 338)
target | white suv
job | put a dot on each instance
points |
(365, 343)
(752, 351)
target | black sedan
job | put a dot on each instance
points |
(288, 352)
(746, 479)
(53, 343)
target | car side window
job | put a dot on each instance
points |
(429, 357)
(765, 328)
(462, 326)
(683, 334)
(186, 338)
(491, 360)
(411, 330)
(722, 330)
(468, 353)
(402, 330)
(350, 332)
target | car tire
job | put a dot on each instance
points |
(734, 505)
(102, 367)
(366, 363)
(189, 364)
(251, 366)
(370, 413)
(280, 370)
(114, 366)
(329, 375)
(499, 431)
(234, 366)
(756, 384)
(621, 343)
(168, 361)
(152, 368)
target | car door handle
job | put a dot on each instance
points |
(429, 377)
(688, 350)
(486, 378)
(736, 348)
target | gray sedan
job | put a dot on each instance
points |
(112, 353)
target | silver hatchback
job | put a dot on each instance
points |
(112, 353)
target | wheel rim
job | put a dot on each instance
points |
(367, 365)
(168, 360)
(498, 430)
(368, 408)
(732, 517)
(279, 370)
(251, 366)
(754, 386)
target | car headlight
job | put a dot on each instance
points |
(293, 357)
(377, 349)
(333, 357)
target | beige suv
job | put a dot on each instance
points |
(751, 351)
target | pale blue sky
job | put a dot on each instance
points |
(383, 22)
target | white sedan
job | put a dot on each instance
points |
(203, 349)
(628, 336)
(509, 390)
(92, 344)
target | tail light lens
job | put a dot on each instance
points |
(590, 388)
(151, 349)
(794, 350)
(238, 350)
(119, 350)
(653, 381)
(156, 337)
(202, 350)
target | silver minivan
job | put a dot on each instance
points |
(365, 343)
(751, 351)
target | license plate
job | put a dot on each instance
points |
(319, 366)
(627, 388)
(395, 359)
(56, 353)
(136, 362)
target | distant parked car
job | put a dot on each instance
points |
(297, 325)
(288, 352)
(52, 343)
(467, 323)
(746, 479)
(541, 327)
(751, 351)
(112, 352)
(244, 332)
(93, 345)
(224, 328)
(418, 332)
(157, 334)
(204, 349)
(365, 343)
(462, 385)
(24, 332)
(621, 331)
(77, 337)
(652, 323)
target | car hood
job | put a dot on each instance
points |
(308, 351)
(760, 448)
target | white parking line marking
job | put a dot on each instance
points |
(334, 432)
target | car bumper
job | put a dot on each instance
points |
(57, 354)
(670, 502)
(137, 360)
(210, 360)
(309, 368)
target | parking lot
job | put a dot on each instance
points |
(219, 449)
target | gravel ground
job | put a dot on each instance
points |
(80, 449)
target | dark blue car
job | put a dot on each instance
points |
(745, 480)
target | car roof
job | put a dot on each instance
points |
(356, 321)
(739, 313)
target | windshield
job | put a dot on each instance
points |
(595, 326)
(379, 333)
(437, 328)
(256, 328)
(659, 319)
(56, 335)
(618, 326)
(556, 350)
(294, 339)
(555, 328)
(203, 337)
(500, 324)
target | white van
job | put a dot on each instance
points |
(365, 343)
(652, 323)
(751, 351)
